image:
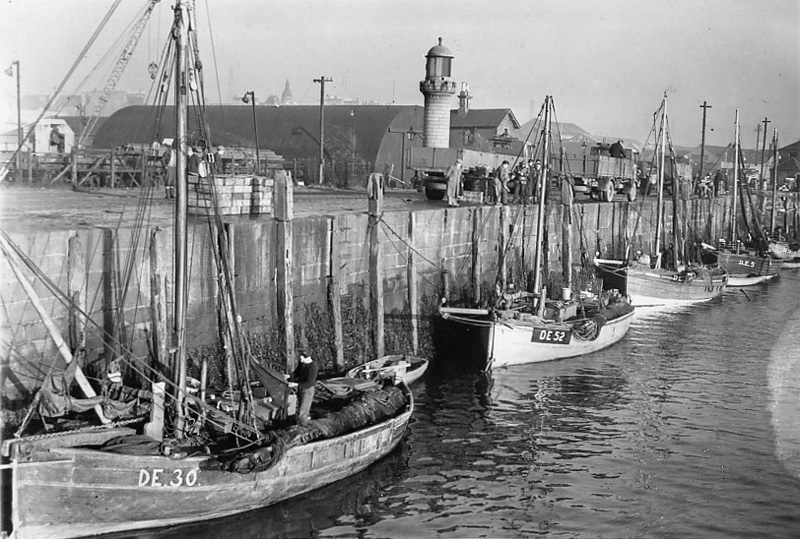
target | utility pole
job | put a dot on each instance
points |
(322, 80)
(758, 137)
(704, 106)
(764, 147)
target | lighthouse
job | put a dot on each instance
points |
(438, 89)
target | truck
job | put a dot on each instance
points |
(601, 176)
(430, 166)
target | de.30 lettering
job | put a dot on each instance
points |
(158, 477)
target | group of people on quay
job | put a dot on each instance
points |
(517, 186)
(199, 164)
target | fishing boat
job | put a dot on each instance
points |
(662, 282)
(786, 252)
(526, 326)
(188, 459)
(745, 266)
(409, 368)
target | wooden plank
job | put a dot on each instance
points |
(284, 204)
(109, 300)
(62, 347)
(76, 278)
(477, 215)
(334, 250)
(505, 217)
(375, 198)
(158, 302)
(411, 272)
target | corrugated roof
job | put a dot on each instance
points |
(286, 130)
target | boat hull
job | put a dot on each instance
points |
(75, 492)
(738, 281)
(745, 264)
(510, 342)
(414, 372)
(784, 250)
(648, 287)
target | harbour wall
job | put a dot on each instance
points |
(307, 281)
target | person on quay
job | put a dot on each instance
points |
(217, 165)
(501, 179)
(57, 139)
(534, 173)
(193, 163)
(169, 161)
(520, 183)
(453, 176)
(304, 379)
(617, 150)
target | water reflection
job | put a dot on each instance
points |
(685, 428)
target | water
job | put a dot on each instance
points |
(689, 427)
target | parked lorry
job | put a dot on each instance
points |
(601, 176)
(430, 165)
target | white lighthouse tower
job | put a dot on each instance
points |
(438, 89)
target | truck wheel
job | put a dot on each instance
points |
(630, 191)
(434, 194)
(608, 192)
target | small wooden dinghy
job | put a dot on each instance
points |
(410, 368)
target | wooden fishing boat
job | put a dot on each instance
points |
(748, 263)
(409, 368)
(200, 461)
(526, 327)
(746, 266)
(784, 250)
(62, 490)
(737, 281)
(504, 337)
(662, 283)
(648, 287)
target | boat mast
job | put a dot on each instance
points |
(774, 180)
(181, 34)
(660, 199)
(734, 231)
(542, 180)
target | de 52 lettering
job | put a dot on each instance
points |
(551, 335)
(158, 477)
(554, 336)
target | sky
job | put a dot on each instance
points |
(607, 64)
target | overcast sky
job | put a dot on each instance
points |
(606, 63)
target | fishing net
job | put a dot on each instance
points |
(367, 409)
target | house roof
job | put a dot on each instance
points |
(791, 165)
(567, 130)
(482, 118)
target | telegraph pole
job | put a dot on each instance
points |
(704, 106)
(764, 147)
(758, 137)
(322, 80)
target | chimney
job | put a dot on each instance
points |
(463, 99)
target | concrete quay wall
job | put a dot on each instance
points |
(330, 286)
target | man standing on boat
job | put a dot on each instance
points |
(453, 176)
(304, 378)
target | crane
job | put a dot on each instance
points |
(119, 68)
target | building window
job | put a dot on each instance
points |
(469, 136)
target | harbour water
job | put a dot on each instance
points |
(689, 427)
